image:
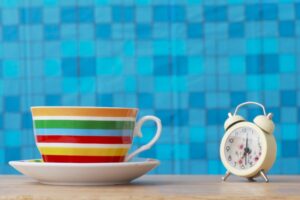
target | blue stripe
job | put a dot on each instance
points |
(83, 132)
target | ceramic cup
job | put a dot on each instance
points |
(88, 134)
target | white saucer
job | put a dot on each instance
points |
(85, 174)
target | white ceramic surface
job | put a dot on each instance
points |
(85, 174)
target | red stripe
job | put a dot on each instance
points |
(84, 139)
(83, 159)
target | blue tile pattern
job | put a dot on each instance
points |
(188, 62)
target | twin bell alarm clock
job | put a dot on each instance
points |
(248, 149)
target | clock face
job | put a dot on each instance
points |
(243, 148)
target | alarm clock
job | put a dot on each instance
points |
(248, 149)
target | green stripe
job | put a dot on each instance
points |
(83, 124)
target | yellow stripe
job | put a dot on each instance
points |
(90, 112)
(83, 151)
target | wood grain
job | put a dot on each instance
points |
(157, 187)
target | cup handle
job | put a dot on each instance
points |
(137, 132)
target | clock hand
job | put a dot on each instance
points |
(247, 141)
(240, 161)
(246, 150)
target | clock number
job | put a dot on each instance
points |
(229, 158)
(227, 148)
(231, 140)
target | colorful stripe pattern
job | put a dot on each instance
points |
(81, 135)
(84, 139)
(84, 124)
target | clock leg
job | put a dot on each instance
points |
(227, 174)
(263, 174)
(251, 179)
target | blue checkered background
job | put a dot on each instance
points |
(187, 61)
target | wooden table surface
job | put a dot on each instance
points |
(157, 187)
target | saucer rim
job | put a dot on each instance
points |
(141, 161)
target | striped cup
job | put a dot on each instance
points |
(88, 134)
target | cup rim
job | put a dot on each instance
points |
(91, 107)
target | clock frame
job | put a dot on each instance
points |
(266, 160)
